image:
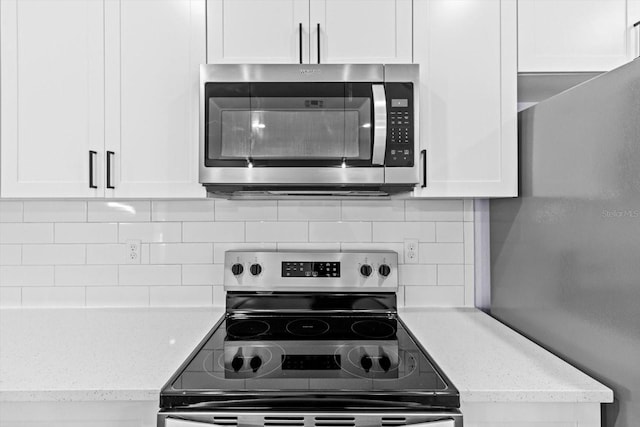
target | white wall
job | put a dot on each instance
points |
(72, 253)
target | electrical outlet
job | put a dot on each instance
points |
(132, 248)
(411, 251)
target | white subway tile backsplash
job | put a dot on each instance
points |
(218, 296)
(310, 210)
(469, 285)
(469, 249)
(10, 211)
(417, 275)
(20, 275)
(86, 275)
(450, 275)
(72, 252)
(53, 254)
(10, 297)
(254, 210)
(340, 231)
(220, 248)
(375, 246)
(10, 254)
(181, 253)
(157, 232)
(202, 274)
(441, 253)
(55, 211)
(375, 210)
(12, 232)
(106, 254)
(150, 275)
(119, 211)
(117, 296)
(468, 210)
(449, 232)
(213, 232)
(398, 231)
(434, 210)
(277, 232)
(181, 296)
(308, 246)
(435, 296)
(189, 210)
(86, 233)
(53, 296)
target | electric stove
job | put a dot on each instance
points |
(310, 339)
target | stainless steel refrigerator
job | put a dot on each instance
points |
(565, 255)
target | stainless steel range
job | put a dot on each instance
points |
(310, 339)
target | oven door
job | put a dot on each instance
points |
(449, 418)
(272, 132)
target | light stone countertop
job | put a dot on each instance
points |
(128, 354)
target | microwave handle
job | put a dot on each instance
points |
(379, 125)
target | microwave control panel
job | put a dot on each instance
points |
(400, 119)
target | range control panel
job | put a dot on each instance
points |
(310, 269)
(302, 271)
(400, 129)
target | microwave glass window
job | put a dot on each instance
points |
(311, 122)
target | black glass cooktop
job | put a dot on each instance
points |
(297, 361)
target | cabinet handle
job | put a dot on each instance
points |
(637, 25)
(423, 156)
(109, 155)
(318, 31)
(300, 39)
(92, 155)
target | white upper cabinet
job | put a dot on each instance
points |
(290, 31)
(576, 35)
(468, 121)
(357, 31)
(153, 53)
(52, 86)
(258, 31)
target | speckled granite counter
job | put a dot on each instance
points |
(128, 354)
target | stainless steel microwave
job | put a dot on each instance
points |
(308, 130)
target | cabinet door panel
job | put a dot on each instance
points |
(52, 97)
(359, 31)
(467, 56)
(572, 35)
(257, 31)
(154, 50)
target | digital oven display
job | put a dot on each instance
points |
(311, 362)
(310, 269)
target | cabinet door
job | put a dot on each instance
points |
(468, 123)
(52, 85)
(258, 31)
(357, 31)
(573, 35)
(153, 51)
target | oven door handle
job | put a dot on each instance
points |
(444, 423)
(379, 125)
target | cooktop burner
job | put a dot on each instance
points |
(248, 328)
(373, 329)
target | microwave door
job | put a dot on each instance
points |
(380, 124)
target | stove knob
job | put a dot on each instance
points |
(385, 363)
(384, 270)
(237, 363)
(255, 269)
(366, 363)
(366, 270)
(237, 269)
(255, 363)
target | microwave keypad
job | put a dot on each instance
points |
(400, 149)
